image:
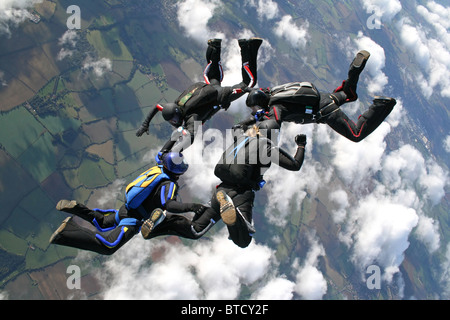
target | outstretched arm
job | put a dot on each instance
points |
(145, 125)
(288, 162)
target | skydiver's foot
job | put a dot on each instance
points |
(56, 235)
(384, 101)
(254, 44)
(227, 209)
(216, 43)
(356, 67)
(66, 205)
(156, 217)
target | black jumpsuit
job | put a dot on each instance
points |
(313, 106)
(220, 97)
(241, 170)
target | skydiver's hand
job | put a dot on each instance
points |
(143, 128)
(198, 209)
(300, 140)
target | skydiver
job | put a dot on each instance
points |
(198, 103)
(302, 103)
(114, 228)
(241, 171)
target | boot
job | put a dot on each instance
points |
(227, 209)
(57, 234)
(156, 217)
(249, 54)
(73, 207)
(349, 86)
(213, 51)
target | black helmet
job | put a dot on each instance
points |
(258, 97)
(172, 113)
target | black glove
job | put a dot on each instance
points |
(198, 209)
(300, 140)
(143, 128)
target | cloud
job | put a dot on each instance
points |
(297, 36)
(14, 12)
(193, 16)
(276, 289)
(109, 195)
(99, 67)
(381, 224)
(386, 9)
(157, 269)
(447, 143)
(68, 42)
(3, 82)
(424, 41)
(266, 9)
(375, 65)
(428, 232)
(310, 282)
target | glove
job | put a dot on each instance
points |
(198, 209)
(300, 140)
(141, 130)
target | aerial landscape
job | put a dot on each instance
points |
(359, 221)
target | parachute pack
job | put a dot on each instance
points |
(198, 95)
(298, 97)
(138, 190)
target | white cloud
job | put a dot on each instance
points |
(99, 67)
(445, 273)
(429, 44)
(428, 232)
(68, 42)
(109, 195)
(296, 35)
(157, 269)
(386, 9)
(266, 9)
(276, 289)
(382, 224)
(193, 16)
(447, 143)
(310, 282)
(375, 65)
(14, 12)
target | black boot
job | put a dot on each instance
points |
(213, 51)
(249, 54)
(349, 86)
(73, 207)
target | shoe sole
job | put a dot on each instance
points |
(227, 209)
(385, 100)
(360, 58)
(60, 229)
(149, 224)
(66, 204)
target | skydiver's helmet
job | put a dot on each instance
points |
(269, 129)
(172, 113)
(173, 163)
(258, 99)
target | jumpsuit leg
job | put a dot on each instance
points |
(106, 240)
(367, 122)
(70, 234)
(243, 203)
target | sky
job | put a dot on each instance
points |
(376, 228)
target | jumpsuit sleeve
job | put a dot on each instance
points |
(153, 111)
(168, 194)
(290, 163)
